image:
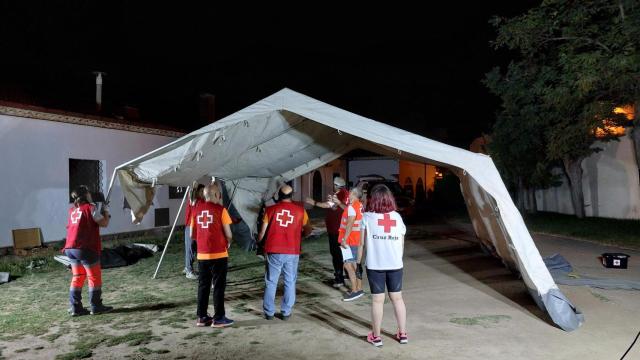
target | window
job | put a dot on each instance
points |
(177, 192)
(317, 186)
(162, 217)
(408, 187)
(421, 193)
(86, 172)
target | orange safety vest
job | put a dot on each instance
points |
(354, 235)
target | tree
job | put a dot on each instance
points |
(581, 60)
(517, 143)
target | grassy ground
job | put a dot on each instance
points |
(605, 231)
(34, 305)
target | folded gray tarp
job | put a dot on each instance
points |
(562, 273)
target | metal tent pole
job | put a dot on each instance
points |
(113, 179)
(186, 193)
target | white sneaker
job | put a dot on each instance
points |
(191, 276)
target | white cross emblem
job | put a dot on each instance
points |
(75, 216)
(205, 219)
(287, 220)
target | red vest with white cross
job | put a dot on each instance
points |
(82, 231)
(285, 228)
(207, 218)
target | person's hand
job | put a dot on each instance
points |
(193, 192)
(104, 210)
(344, 245)
(310, 201)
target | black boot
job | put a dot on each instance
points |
(97, 307)
(75, 300)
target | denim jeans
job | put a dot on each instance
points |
(288, 265)
(189, 250)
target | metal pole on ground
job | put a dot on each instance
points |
(184, 198)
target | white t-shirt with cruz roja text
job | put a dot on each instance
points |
(384, 241)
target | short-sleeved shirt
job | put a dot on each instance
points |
(384, 240)
(188, 220)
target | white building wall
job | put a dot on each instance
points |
(34, 180)
(610, 182)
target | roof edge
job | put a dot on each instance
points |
(40, 113)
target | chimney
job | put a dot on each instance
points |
(207, 108)
(98, 75)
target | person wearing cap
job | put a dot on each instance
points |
(283, 224)
(336, 203)
(213, 237)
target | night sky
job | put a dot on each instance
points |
(416, 69)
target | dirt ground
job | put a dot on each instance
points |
(461, 305)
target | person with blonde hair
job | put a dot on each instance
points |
(213, 237)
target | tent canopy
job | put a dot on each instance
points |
(289, 134)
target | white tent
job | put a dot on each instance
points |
(289, 134)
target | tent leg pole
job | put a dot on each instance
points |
(186, 193)
(113, 179)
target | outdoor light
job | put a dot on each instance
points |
(98, 75)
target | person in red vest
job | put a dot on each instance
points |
(335, 205)
(349, 238)
(213, 237)
(83, 247)
(189, 228)
(284, 223)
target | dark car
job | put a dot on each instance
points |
(406, 205)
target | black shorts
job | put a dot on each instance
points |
(378, 279)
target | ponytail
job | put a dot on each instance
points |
(79, 195)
